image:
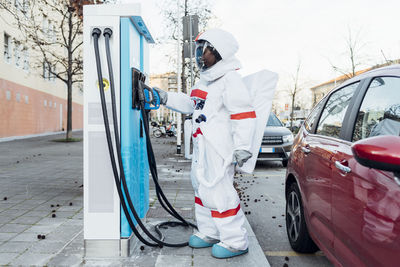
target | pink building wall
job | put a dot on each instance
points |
(26, 111)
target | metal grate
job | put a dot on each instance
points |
(272, 140)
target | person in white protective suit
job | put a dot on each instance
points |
(224, 121)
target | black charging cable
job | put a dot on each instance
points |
(152, 163)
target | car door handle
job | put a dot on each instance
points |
(305, 150)
(341, 167)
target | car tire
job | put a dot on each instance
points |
(157, 133)
(284, 163)
(296, 227)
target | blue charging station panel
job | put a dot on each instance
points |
(133, 139)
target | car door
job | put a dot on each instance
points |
(366, 202)
(319, 148)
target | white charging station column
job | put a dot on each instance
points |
(102, 213)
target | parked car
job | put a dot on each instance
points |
(277, 141)
(296, 124)
(343, 175)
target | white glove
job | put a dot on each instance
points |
(241, 156)
(162, 94)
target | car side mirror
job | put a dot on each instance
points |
(379, 152)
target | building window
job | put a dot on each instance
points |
(17, 53)
(25, 56)
(50, 104)
(8, 95)
(55, 104)
(7, 48)
(51, 35)
(45, 71)
(26, 99)
(45, 26)
(48, 71)
(52, 75)
(18, 97)
(9, 3)
(22, 5)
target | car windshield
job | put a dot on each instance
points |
(274, 121)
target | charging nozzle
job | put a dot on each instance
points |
(152, 99)
(142, 93)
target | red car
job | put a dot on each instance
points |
(343, 175)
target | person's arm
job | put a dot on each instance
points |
(242, 114)
(179, 102)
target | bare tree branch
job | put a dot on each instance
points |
(53, 29)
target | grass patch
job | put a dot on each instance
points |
(65, 140)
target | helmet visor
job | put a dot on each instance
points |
(200, 48)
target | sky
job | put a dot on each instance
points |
(277, 35)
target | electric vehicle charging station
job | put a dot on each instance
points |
(106, 230)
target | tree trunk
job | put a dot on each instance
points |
(292, 112)
(69, 80)
(69, 109)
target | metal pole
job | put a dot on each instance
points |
(178, 79)
(191, 49)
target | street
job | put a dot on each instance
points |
(263, 201)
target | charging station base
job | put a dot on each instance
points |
(109, 248)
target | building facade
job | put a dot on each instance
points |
(32, 100)
(167, 82)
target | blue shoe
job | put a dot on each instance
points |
(222, 251)
(201, 241)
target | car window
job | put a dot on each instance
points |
(331, 120)
(274, 121)
(379, 113)
(309, 122)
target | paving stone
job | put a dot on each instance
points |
(74, 248)
(174, 261)
(62, 214)
(7, 257)
(25, 237)
(46, 246)
(6, 236)
(6, 219)
(73, 222)
(28, 220)
(140, 261)
(15, 247)
(41, 229)
(31, 259)
(38, 213)
(13, 199)
(5, 206)
(13, 213)
(66, 260)
(13, 228)
(51, 221)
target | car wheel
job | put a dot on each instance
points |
(284, 163)
(157, 133)
(296, 227)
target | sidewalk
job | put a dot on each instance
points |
(37, 173)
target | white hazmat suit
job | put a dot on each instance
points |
(228, 124)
